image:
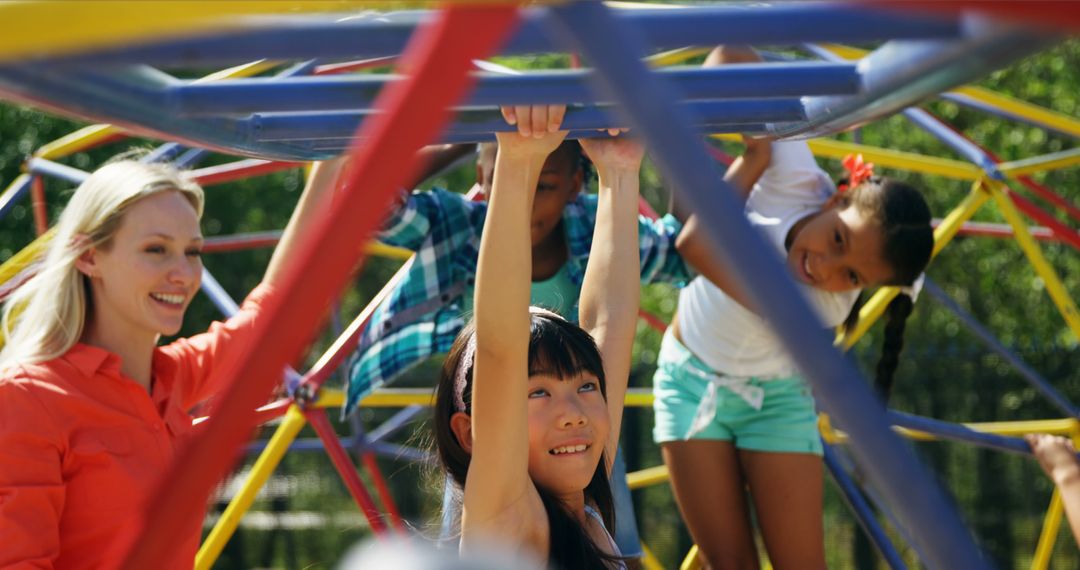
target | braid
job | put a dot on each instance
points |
(899, 309)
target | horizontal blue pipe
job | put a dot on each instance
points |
(381, 35)
(1014, 360)
(358, 92)
(957, 432)
(862, 511)
(13, 194)
(131, 98)
(46, 167)
(337, 145)
(308, 126)
(901, 73)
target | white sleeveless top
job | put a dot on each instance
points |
(725, 335)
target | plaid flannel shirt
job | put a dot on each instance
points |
(423, 314)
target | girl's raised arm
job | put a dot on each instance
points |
(498, 473)
(611, 291)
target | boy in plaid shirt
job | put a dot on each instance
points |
(424, 313)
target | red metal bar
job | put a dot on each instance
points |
(1046, 13)
(346, 66)
(646, 210)
(41, 212)
(238, 242)
(372, 465)
(1033, 211)
(414, 111)
(652, 320)
(222, 173)
(344, 465)
(984, 229)
(1065, 233)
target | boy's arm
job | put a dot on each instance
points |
(611, 291)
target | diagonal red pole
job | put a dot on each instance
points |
(414, 112)
(344, 465)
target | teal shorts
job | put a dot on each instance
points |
(786, 422)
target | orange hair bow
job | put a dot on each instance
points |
(858, 171)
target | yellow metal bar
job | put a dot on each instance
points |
(1031, 248)
(1048, 536)
(1065, 426)
(1033, 113)
(260, 472)
(1052, 161)
(401, 397)
(692, 560)
(887, 158)
(388, 251)
(943, 234)
(675, 56)
(33, 28)
(77, 141)
(647, 477)
(649, 560)
(243, 70)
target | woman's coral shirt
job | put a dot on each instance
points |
(80, 444)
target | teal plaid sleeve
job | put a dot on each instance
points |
(660, 261)
(420, 316)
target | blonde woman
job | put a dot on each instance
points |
(91, 408)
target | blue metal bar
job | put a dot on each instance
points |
(1014, 360)
(395, 423)
(357, 93)
(191, 157)
(218, 296)
(337, 145)
(381, 35)
(964, 147)
(337, 125)
(862, 511)
(957, 432)
(890, 464)
(902, 73)
(44, 166)
(15, 192)
(163, 153)
(133, 98)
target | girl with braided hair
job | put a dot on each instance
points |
(731, 408)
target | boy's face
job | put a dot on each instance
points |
(560, 181)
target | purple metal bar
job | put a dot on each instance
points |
(648, 102)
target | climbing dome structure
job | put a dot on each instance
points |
(287, 93)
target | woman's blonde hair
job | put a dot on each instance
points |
(44, 317)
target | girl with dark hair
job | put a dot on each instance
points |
(731, 408)
(529, 405)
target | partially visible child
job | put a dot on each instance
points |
(1057, 457)
(529, 405)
